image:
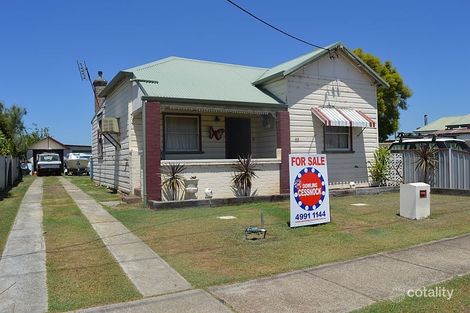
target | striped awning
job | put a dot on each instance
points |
(343, 117)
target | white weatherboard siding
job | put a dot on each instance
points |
(217, 176)
(263, 140)
(339, 83)
(114, 168)
(278, 88)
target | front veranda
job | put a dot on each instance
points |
(208, 142)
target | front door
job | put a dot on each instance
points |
(237, 137)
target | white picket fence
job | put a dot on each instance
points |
(453, 171)
(10, 173)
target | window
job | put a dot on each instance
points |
(182, 133)
(337, 138)
(49, 157)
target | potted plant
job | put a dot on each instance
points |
(244, 173)
(173, 182)
(379, 168)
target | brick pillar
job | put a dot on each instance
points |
(283, 142)
(152, 124)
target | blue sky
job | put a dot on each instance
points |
(428, 42)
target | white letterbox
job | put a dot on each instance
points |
(415, 200)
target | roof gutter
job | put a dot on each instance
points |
(220, 102)
(269, 78)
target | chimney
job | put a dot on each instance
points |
(99, 84)
(425, 119)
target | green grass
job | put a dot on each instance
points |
(99, 193)
(209, 251)
(80, 270)
(9, 208)
(460, 301)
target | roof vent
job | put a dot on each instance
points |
(110, 125)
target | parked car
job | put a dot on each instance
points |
(439, 142)
(49, 163)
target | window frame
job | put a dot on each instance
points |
(182, 115)
(338, 150)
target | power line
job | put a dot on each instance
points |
(276, 28)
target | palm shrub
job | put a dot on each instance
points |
(173, 182)
(427, 161)
(244, 173)
(379, 168)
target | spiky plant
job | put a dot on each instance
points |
(427, 160)
(173, 181)
(244, 173)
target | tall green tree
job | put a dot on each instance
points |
(14, 137)
(389, 100)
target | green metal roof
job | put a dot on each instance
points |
(284, 69)
(460, 120)
(440, 124)
(187, 79)
(203, 81)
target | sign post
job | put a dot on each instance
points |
(309, 198)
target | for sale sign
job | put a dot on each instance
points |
(309, 199)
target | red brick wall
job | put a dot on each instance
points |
(283, 142)
(152, 153)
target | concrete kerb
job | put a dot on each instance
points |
(195, 300)
(273, 198)
(452, 192)
(178, 204)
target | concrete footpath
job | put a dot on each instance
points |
(350, 285)
(23, 263)
(148, 272)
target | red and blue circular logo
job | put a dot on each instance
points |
(309, 189)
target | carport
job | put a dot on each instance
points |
(47, 145)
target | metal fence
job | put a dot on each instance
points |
(10, 173)
(453, 171)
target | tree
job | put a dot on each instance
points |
(389, 100)
(14, 137)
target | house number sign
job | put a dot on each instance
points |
(309, 198)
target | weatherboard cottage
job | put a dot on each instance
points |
(205, 114)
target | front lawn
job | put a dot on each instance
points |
(99, 193)
(208, 251)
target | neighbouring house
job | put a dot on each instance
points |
(205, 114)
(78, 149)
(452, 126)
